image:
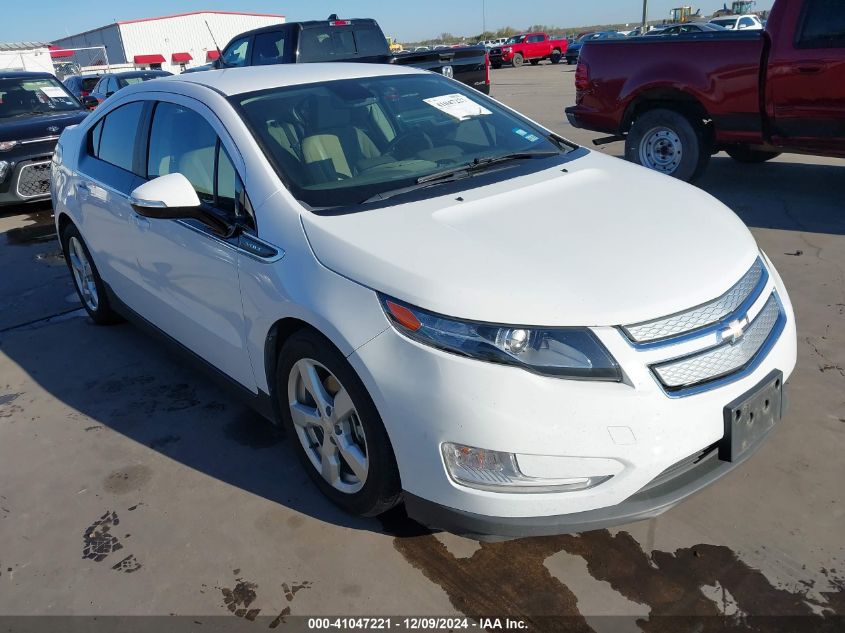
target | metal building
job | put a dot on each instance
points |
(170, 42)
(26, 56)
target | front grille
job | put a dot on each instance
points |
(34, 180)
(744, 292)
(682, 374)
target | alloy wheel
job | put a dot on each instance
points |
(328, 426)
(83, 274)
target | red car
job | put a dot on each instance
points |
(530, 47)
(754, 94)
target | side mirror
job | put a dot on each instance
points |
(89, 102)
(172, 197)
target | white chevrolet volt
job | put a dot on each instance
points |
(442, 302)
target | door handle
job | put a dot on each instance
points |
(83, 188)
(809, 69)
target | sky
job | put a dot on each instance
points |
(407, 20)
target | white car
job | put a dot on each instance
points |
(739, 22)
(440, 300)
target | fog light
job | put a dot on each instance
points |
(499, 472)
(4, 169)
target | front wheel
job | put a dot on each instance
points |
(335, 427)
(517, 60)
(747, 155)
(86, 278)
(669, 142)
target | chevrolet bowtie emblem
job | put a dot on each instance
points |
(734, 331)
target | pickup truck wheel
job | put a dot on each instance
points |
(667, 141)
(334, 426)
(517, 60)
(746, 155)
(534, 62)
(555, 57)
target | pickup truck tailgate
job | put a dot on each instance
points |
(466, 64)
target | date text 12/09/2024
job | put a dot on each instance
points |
(416, 623)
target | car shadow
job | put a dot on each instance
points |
(782, 194)
(120, 378)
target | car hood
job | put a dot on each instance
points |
(603, 242)
(22, 128)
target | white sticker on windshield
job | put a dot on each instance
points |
(457, 106)
(54, 92)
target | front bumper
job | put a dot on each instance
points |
(27, 180)
(427, 397)
(665, 491)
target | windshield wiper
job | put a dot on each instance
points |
(480, 164)
(458, 173)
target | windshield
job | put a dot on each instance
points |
(22, 96)
(341, 142)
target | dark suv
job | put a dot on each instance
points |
(34, 109)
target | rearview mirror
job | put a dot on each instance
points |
(172, 197)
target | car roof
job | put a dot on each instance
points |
(24, 74)
(233, 81)
(136, 73)
(286, 25)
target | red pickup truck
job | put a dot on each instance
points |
(528, 47)
(754, 94)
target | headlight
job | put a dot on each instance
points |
(5, 146)
(507, 49)
(566, 352)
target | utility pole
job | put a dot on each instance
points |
(645, 15)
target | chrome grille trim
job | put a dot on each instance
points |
(703, 318)
(34, 180)
(727, 361)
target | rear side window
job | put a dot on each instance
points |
(822, 25)
(326, 43)
(113, 139)
(268, 48)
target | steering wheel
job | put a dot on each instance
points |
(408, 143)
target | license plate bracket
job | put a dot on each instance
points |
(751, 416)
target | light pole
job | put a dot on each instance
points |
(483, 17)
(645, 14)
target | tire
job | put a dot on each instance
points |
(746, 155)
(534, 62)
(517, 60)
(555, 57)
(668, 142)
(496, 65)
(361, 432)
(571, 61)
(86, 278)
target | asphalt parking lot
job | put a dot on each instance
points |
(130, 484)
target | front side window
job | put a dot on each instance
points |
(339, 143)
(236, 53)
(822, 25)
(182, 141)
(23, 96)
(112, 139)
